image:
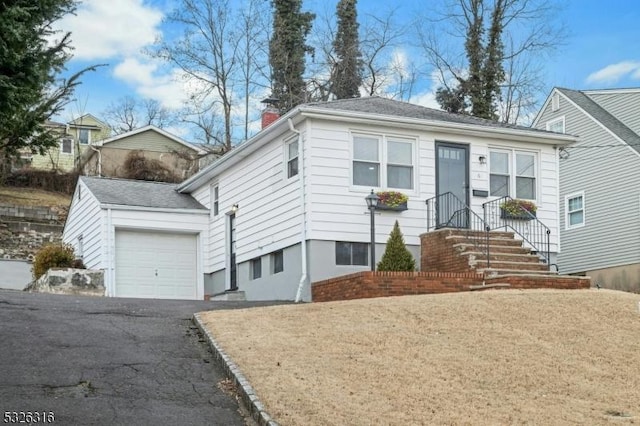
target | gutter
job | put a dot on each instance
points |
(153, 209)
(303, 230)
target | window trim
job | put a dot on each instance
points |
(554, 121)
(555, 102)
(273, 262)
(80, 129)
(351, 243)
(511, 192)
(567, 223)
(288, 160)
(214, 195)
(252, 268)
(383, 161)
(70, 145)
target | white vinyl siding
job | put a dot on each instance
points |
(575, 210)
(86, 219)
(268, 216)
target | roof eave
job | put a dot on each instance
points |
(153, 209)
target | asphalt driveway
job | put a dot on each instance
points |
(110, 361)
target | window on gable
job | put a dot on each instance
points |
(277, 262)
(84, 136)
(292, 159)
(512, 170)
(67, 146)
(352, 253)
(574, 207)
(556, 125)
(555, 102)
(215, 194)
(256, 268)
(383, 162)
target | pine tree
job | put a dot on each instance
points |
(31, 58)
(396, 256)
(346, 76)
(287, 50)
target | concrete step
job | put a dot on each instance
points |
(503, 257)
(498, 272)
(493, 249)
(526, 281)
(519, 266)
(227, 295)
(493, 241)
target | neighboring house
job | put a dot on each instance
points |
(287, 207)
(146, 236)
(76, 137)
(107, 157)
(599, 183)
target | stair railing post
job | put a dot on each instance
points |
(549, 249)
(488, 251)
(428, 216)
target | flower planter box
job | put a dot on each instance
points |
(398, 208)
(520, 216)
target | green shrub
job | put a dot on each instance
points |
(53, 256)
(396, 256)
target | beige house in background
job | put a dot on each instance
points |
(76, 137)
(107, 157)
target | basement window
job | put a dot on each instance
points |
(256, 268)
(277, 261)
(352, 253)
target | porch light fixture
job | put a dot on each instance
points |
(482, 159)
(372, 202)
(234, 208)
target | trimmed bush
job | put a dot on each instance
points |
(53, 256)
(396, 256)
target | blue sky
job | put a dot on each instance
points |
(601, 50)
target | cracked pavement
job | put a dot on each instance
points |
(110, 361)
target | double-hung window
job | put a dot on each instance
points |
(292, 159)
(513, 173)
(574, 208)
(84, 136)
(215, 200)
(556, 125)
(383, 162)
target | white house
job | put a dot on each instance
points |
(599, 183)
(287, 207)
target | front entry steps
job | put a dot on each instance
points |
(511, 265)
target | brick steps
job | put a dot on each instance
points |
(480, 257)
(496, 272)
(493, 241)
(502, 265)
(493, 249)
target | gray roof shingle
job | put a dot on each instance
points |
(378, 105)
(603, 116)
(139, 193)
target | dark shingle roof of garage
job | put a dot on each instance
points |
(139, 193)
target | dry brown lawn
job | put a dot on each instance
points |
(33, 197)
(540, 357)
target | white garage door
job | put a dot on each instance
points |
(156, 265)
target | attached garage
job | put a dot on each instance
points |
(146, 237)
(156, 265)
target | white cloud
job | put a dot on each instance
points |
(614, 72)
(103, 29)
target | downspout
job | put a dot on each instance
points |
(110, 278)
(99, 159)
(303, 231)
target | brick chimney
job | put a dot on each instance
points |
(270, 113)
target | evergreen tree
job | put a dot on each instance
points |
(287, 50)
(480, 90)
(396, 256)
(346, 76)
(30, 61)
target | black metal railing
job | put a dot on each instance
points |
(522, 222)
(448, 211)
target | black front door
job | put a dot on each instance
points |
(232, 250)
(452, 176)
